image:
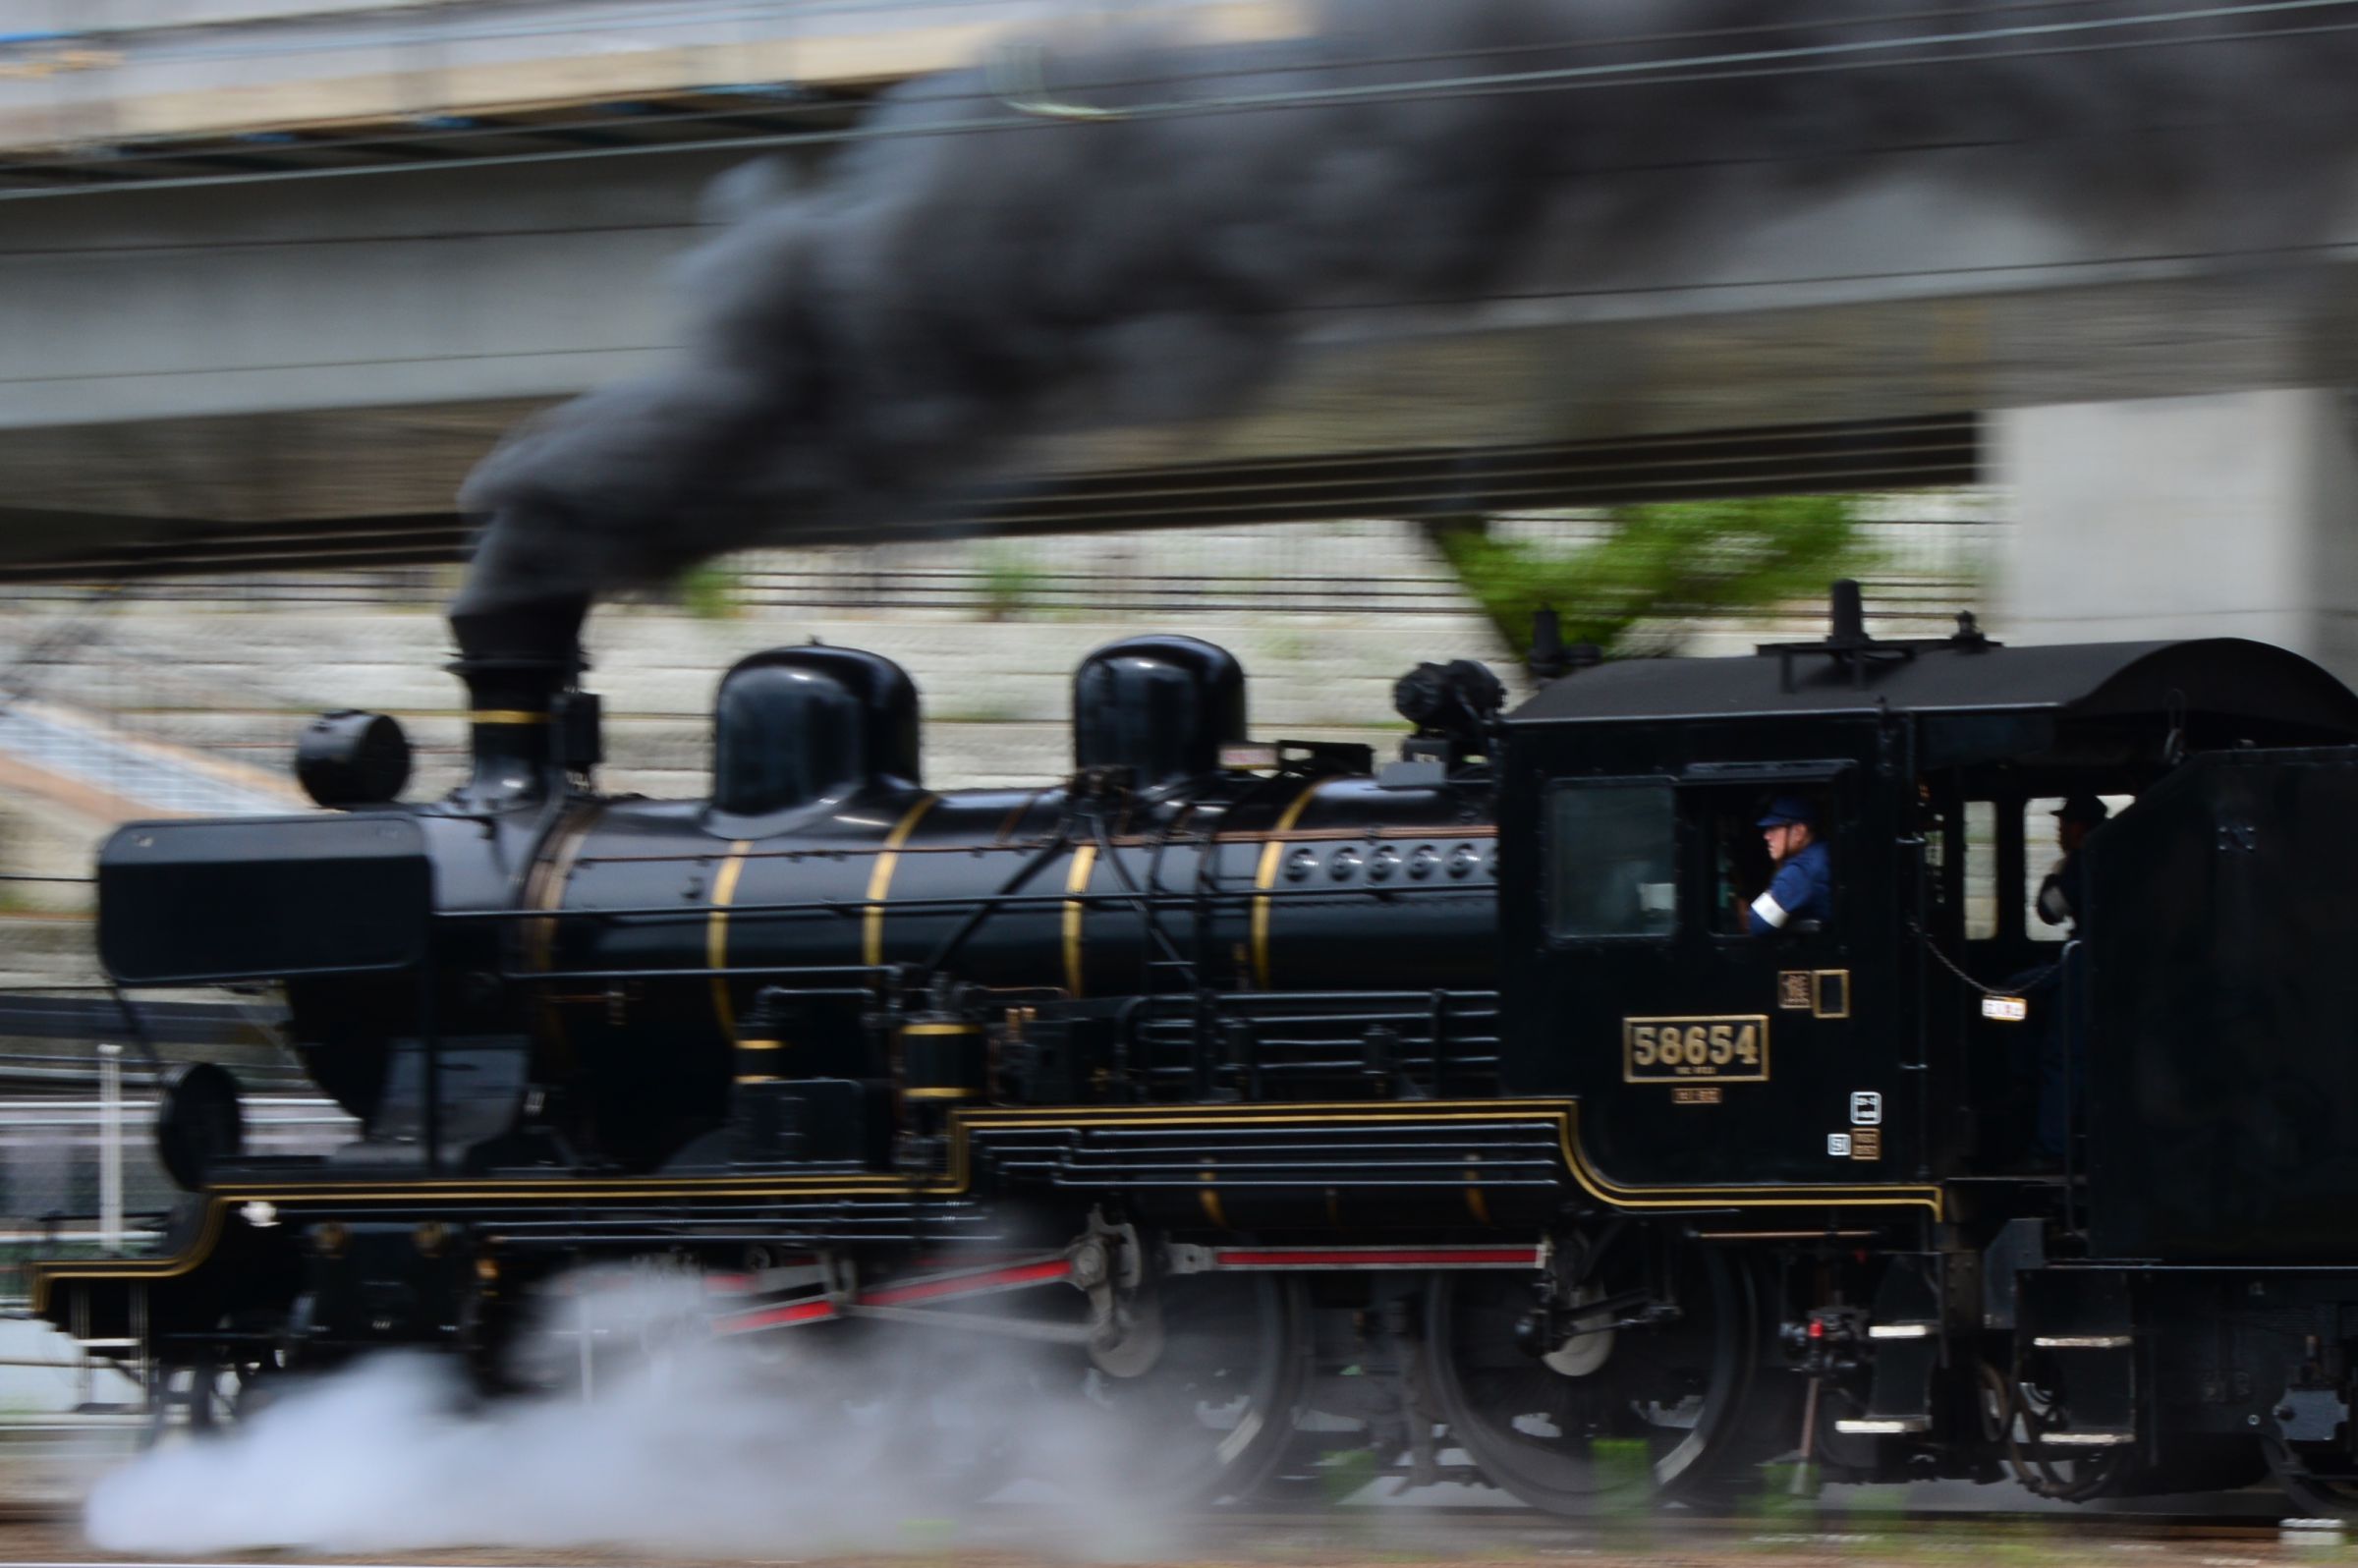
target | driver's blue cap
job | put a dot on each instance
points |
(1789, 808)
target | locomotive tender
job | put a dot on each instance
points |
(1216, 1070)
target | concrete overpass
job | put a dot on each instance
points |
(224, 347)
(214, 83)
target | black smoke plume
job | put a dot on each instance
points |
(1141, 231)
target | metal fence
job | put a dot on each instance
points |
(1915, 549)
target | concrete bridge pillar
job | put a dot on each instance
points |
(2220, 516)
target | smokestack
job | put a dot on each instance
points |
(529, 725)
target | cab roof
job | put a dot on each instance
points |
(2225, 676)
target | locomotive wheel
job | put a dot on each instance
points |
(1210, 1414)
(1574, 1432)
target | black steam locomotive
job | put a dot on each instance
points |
(1218, 1071)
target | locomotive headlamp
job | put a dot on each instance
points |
(348, 758)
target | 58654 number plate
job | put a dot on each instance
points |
(1723, 1049)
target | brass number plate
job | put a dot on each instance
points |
(1728, 1049)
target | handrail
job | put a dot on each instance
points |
(656, 914)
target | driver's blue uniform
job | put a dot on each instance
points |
(1803, 889)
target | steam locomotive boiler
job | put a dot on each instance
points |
(823, 918)
(1455, 1102)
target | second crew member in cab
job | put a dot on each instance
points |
(2062, 893)
(1802, 892)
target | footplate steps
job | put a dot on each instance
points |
(2081, 1324)
(1905, 1334)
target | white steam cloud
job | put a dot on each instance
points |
(700, 1445)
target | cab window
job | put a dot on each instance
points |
(1742, 866)
(1612, 859)
(1980, 871)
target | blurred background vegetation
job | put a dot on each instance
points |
(1657, 565)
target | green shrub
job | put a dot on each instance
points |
(1675, 558)
(708, 592)
(1009, 584)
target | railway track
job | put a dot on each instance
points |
(1393, 1534)
(1831, 1524)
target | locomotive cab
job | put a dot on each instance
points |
(1921, 1028)
(1699, 1050)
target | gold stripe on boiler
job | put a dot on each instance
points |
(1272, 856)
(716, 934)
(544, 889)
(1076, 880)
(505, 715)
(879, 883)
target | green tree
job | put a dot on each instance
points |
(1670, 559)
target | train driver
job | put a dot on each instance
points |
(1803, 889)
